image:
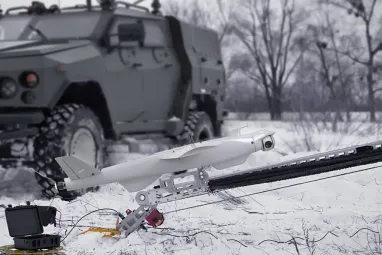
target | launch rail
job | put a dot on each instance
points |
(168, 190)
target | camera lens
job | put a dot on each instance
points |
(268, 144)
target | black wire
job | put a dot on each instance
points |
(269, 190)
(103, 209)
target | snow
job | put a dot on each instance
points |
(340, 205)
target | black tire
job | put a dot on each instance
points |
(198, 127)
(55, 139)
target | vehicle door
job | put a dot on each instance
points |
(125, 79)
(161, 73)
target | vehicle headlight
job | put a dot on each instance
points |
(29, 79)
(8, 88)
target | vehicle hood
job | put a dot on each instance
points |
(33, 48)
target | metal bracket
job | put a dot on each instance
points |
(135, 219)
(169, 190)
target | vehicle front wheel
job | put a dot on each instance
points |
(69, 129)
(198, 127)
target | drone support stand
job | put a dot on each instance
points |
(167, 191)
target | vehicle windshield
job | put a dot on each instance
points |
(11, 28)
(55, 26)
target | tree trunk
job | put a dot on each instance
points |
(277, 109)
(270, 107)
(348, 107)
(270, 104)
(371, 99)
(339, 105)
(348, 114)
(347, 97)
(277, 106)
(336, 120)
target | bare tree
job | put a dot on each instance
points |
(367, 15)
(270, 37)
(329, 81)
(335, 71)
(344, 75)
(306, 92)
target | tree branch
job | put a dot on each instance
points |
(377, 90)
(282, 27)
(291, 70)
(377, 49)
(226, 20)
(347, 54)
(286, 48)
(262, 18)
(371, 13)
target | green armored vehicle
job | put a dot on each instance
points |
(75, 79)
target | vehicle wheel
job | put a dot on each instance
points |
(69, 129)
(198, 127)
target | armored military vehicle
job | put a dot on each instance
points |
(73, 79)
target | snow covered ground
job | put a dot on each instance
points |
(337, 208)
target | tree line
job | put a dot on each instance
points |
(291, 55)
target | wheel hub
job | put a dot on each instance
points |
(83, 146)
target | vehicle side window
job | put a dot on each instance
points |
(154, 34)
(113, 32)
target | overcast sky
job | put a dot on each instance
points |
(5, 4)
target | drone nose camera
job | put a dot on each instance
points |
(268, 143)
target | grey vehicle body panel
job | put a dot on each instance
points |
(144, 84)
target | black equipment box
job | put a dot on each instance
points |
(37, 242)
(26, 226)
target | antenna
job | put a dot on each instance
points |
(106, 4)
(156, 7)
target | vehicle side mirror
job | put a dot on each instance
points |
(131, 32)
